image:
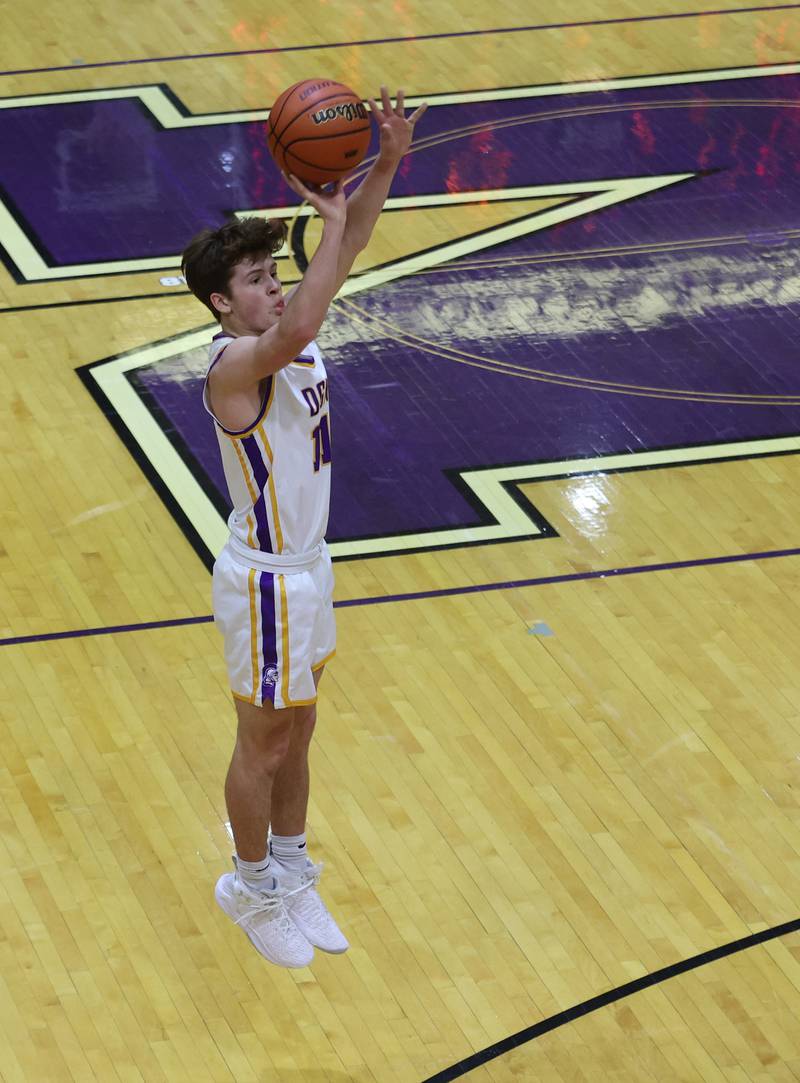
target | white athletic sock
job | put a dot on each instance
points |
(289, 851)
(257, 875)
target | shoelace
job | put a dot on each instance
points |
(271, 904)
(309, 877)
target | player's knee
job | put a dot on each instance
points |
(265, 749)
(265, 759)
(304, 723)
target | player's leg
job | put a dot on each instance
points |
(253, 896)
(309, 604)
(264, 737)
(248, 610)
(290, 790)
(290, 860)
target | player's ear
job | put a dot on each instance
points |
(220, 303)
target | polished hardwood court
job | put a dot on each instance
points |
(559, 746)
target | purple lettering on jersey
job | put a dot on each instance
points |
(312, 400)
(316, 397)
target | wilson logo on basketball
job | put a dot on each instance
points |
(348, 110)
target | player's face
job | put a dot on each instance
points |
(255, 296)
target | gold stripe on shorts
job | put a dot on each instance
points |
(284, 639)
(251, 587)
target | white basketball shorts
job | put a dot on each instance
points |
(276, 618)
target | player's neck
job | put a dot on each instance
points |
(231, 327)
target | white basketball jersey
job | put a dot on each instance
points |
(278, 470)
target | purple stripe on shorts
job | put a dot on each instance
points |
(269, 646)
(262, 524)
(261, 475)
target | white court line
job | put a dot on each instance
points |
(488, 485)
(111, 377)
(168, 115)
(512, 521)
(164, 110)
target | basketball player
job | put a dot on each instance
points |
(267, 392)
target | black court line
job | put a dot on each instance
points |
(444, 592)
(529, 1034)
(98, 301)
(111, 629)
(80, 66)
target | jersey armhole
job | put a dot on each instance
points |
(262, 410)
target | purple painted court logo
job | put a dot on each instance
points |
(631, 283)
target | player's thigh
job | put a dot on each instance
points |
(307, 639)
(325, 629)
(245, 615)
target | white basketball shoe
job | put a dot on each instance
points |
(264, 917)
(306, 909)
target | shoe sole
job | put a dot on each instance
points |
(223, 898)
(328, 951)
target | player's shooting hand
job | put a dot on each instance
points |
(396, 128)
(329, 203)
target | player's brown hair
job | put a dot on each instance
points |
(210, 257)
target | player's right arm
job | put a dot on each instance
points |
(249, 359)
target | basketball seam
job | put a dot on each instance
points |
(315, 105)
(322, 169)
(319, 138)
(286, 95)
(280, 152)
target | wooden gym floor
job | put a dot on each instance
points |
(555, 782)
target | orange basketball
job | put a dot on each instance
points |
(318, 130)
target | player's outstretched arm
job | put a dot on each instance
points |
(308, 303)
(365, 204)
(249, 359)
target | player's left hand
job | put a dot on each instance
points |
(396, 128)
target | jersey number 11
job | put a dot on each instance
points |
(322, 443)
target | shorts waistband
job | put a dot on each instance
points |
(280, 563)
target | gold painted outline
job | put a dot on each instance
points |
(508, 368)
(686, 245)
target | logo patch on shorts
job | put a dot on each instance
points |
(269, 676)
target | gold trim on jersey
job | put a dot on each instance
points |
(243, 463)
(273, 496)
